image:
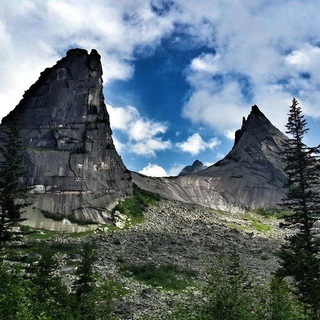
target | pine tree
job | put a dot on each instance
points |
(13, 192)
(299, 257)
(84, 286)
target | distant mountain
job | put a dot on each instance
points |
(250, 176)
(194, 168)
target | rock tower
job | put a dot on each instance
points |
(74, 168)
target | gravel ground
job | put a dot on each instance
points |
(187, 235)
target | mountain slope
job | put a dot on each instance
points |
(249, 177)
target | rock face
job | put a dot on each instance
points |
(72, 162)
(249, 177)
(195, 167)
(252, 172)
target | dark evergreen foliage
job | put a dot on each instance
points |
(299, 257)
(85, 282)
(13, 191)
(233, 293)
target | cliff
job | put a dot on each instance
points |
(73, 166)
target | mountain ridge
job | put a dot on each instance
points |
(77, 174)
(250, 176)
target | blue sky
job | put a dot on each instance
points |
(178, 75)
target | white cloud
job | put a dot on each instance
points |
(120, 147)
(304, 57)
(230, 134)
(268, 43)
(153, 170)
(143, 136)
(175, 169)
(261, 42)
(144, 129)
(223, 110)
(150, 146)
(35, 34)
(121, 118)
(195, 144)
(208, 63)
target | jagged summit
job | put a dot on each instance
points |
(66, 92)
(73, 165)
(255, 119)
(253, 170)
(195, 167)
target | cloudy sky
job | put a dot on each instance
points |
(178, 75)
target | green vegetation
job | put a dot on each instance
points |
(275, 213)
(299, 257)
(33, 289)
(257, 224)
(168, 277)
(237, 226)
(52, 215)
(13, 191)
(135, 206)
(41, 149)
(233, 295)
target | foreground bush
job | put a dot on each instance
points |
(232, 294)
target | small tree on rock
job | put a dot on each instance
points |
(299, 257)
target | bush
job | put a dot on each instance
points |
(233, 295)
(169, 277)
(135, 206)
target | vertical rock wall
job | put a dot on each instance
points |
(73, 165)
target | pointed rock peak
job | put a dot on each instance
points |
(256, 114)
(70, 92)
(197, 163)
(256, 110)
(195, 167)
(256, 119)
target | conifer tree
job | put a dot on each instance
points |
(13, 192)
(84, 286)
(299, 257)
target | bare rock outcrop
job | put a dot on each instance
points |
(249, 177)
(74, 168)
(194, 168)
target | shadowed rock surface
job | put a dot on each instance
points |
(194, 168)
(249, 177)
(72, 162)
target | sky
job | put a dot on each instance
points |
(178, 75)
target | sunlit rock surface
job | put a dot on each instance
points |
(73, 165)
(249, 177)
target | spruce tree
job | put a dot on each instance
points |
(13, 191)
(299, 256)
(84, 286)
